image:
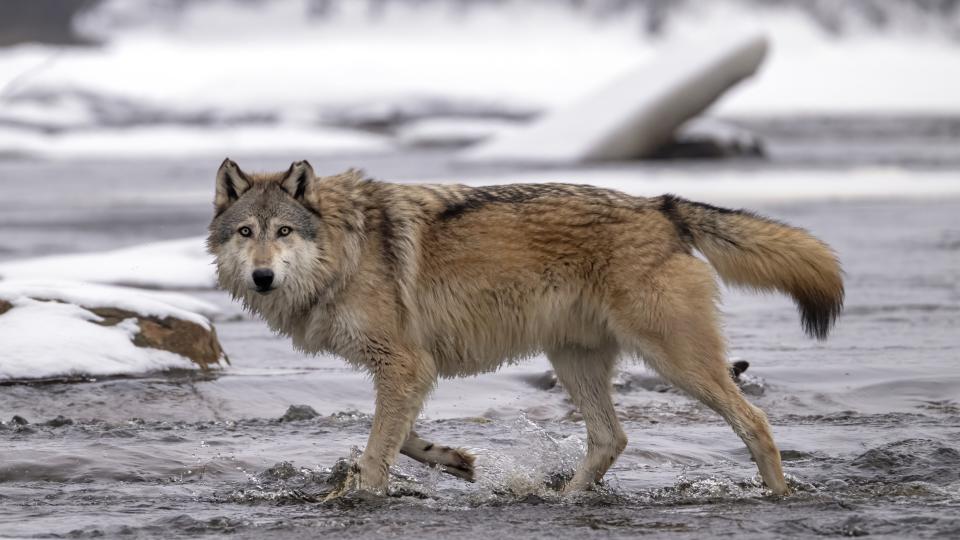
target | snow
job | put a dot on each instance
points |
(706, 128)
(635, 114)
(186, 141)
(264, 77)
(453, 131)
(52, 339)
(172, 264)
(147, 303)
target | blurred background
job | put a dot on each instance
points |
(115, 114)
(172, 78)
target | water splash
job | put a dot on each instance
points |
(539, 465)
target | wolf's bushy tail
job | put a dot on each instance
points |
(751, 251)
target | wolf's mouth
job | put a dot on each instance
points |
(265, 291)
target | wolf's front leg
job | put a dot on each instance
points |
(402, 380)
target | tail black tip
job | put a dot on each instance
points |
(818, 313)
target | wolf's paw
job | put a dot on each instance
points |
(459, 463)
(454, 461)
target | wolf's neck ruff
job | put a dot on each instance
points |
(416, 282)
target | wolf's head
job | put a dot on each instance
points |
(267, 237)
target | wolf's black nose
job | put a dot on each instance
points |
(263, 278)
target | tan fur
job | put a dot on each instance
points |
(417, 282)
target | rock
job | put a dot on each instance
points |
(299, 412)
(281, 471)
(71, 331)
(545, 381)
(835, 484)
(707, 138)
(59, 421)
(185, 338)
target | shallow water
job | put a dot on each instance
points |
(868, 422)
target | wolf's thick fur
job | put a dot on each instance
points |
(416, 282)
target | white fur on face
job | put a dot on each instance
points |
(288, 257)
(295, 263)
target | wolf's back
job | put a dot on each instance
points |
(755, 252)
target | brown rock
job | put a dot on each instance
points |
(185, 338)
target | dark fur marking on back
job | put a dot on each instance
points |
(712, 208)
(668, 207)
(478, 198)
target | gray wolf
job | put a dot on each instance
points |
(417, 282)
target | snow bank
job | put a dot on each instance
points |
(173, 264)
(49, 330)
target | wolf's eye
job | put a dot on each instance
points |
(245, 231)
(284, 231)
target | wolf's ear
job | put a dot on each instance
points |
(297, 179)
(231, 184)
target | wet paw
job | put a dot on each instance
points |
(459, 463)
(453, 461)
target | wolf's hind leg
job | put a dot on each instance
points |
(455, 461)
(586, 373)
(673, 322)
(710, 383)
(402, 380)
